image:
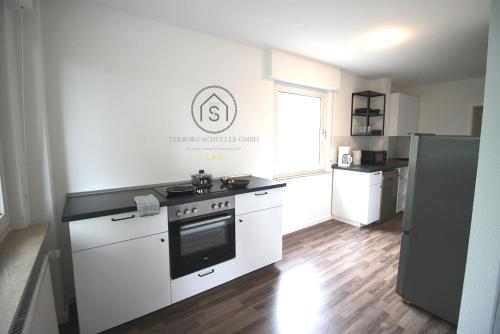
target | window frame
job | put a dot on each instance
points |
(325, 128)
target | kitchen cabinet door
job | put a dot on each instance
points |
(403, 115)
(374, 197)
(356, 197)
(120, 282)
(258, 239)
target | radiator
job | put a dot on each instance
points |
(37, 313)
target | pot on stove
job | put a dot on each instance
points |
(201, 179)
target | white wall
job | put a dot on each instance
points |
(446, 108)
(119, 86)
(306, 201)
(286, 67)
(482, 282)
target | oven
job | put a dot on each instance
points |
(201, 235)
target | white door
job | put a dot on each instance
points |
(122, 281)
(258, 239)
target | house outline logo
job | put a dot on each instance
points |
(214, 109)
(214, 116)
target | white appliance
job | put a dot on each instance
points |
(344, 157)
(356, 157)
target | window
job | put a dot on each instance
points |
(301, 118)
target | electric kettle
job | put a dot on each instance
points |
(345, 156)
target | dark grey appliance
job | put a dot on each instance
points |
(436, 222)
(389, 194)
(201, 234)
(373, 157)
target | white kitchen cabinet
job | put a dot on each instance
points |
(356, 196)
(121, 268)
(402, 184)
(403, 115)
(120, 282)
(258, 240)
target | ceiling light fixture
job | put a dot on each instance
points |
(383, 38)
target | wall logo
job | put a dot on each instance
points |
(214, 109)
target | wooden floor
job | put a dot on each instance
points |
(334, 278)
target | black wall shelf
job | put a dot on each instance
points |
(370, 120)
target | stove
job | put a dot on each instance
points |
(201, 234)
(216, 187)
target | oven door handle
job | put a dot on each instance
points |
(204, 222)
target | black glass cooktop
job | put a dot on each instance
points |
(216, 187)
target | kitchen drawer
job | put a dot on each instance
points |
(192, 284)
(95, 232)
(375, 178)
(258, 200)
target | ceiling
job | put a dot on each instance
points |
(446, 39)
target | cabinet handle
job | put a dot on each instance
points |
(261, 194)
(240, 220)
(208, 273)
(117, 219)
(162, 240)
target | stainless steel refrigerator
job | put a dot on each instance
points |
(436, 222)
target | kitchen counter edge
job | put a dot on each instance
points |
(363, 168)
(122, 200)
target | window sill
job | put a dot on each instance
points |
(300, 175)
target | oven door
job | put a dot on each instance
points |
(202, 242)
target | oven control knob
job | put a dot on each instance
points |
(179, 213)
(194, 210)
(227, 204)
(221, 205)
(214, 206)
(187, 212)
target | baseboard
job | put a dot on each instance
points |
(347, 221)
(309, 224)
(5, 232)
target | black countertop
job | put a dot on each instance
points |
(80, 206)
(388, 165)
